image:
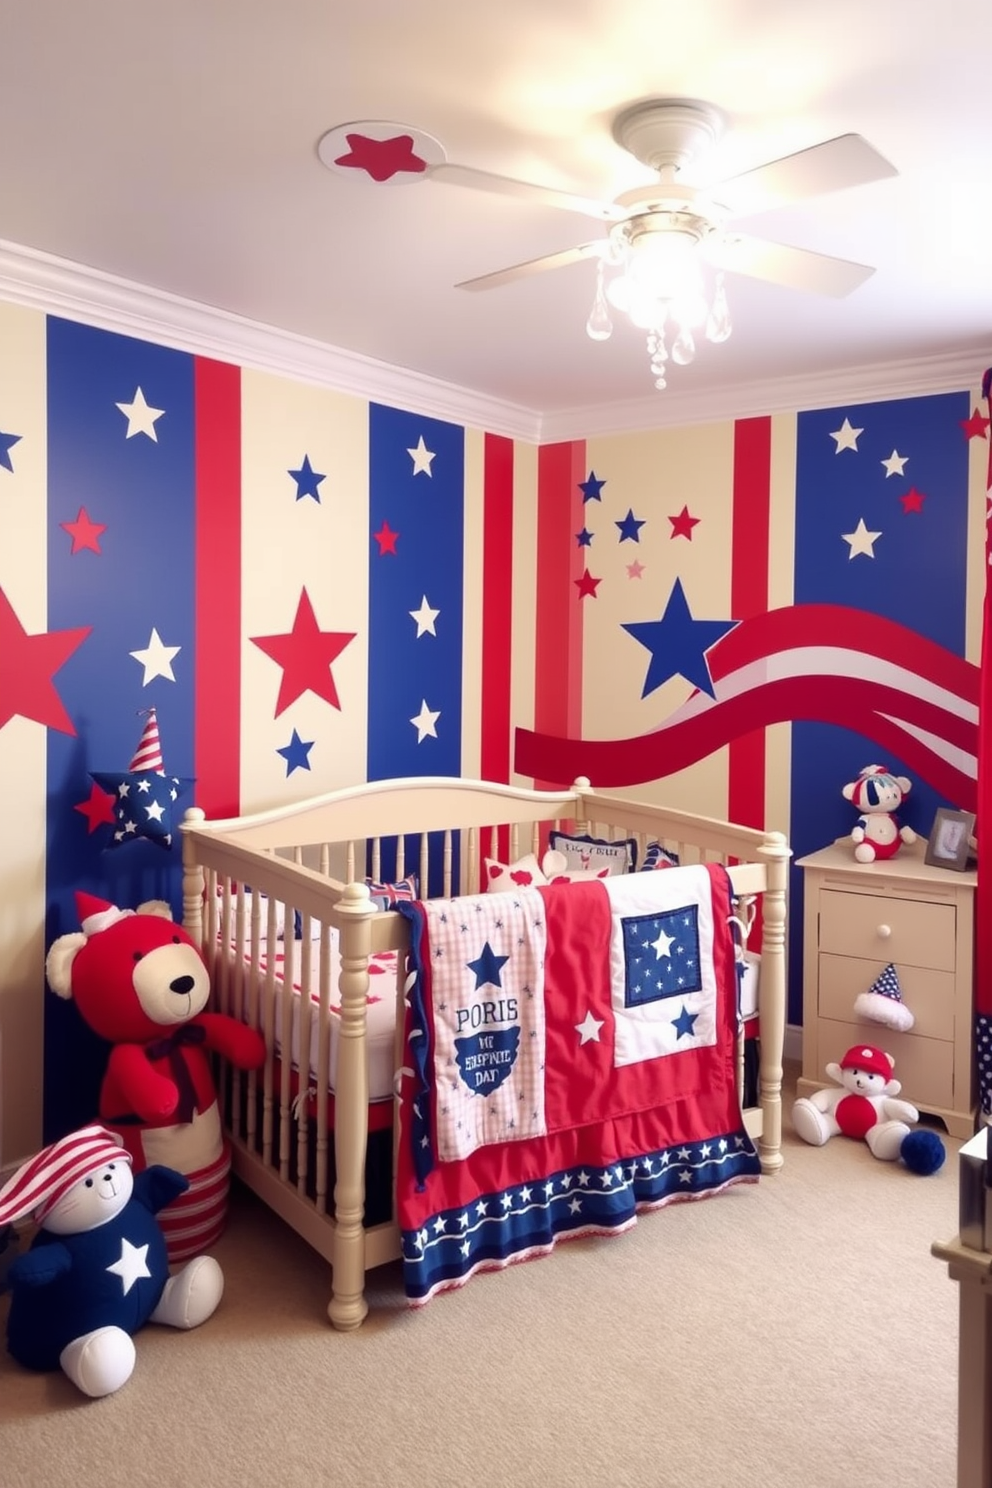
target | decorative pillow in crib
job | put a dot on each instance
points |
(656, 856)
(386, 895)
(503, 878)
(555, 867)
(589, 854)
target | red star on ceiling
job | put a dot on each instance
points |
(84, 533)
(386, 539)
(99, 808)
(683, 524)
(913, 500)
(305, 654)
(587, 585)
(382, 159)
(27, 665)
(975, 426)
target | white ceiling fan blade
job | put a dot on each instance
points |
(798, 268)
(834, 165)
(535, 266)
(546, 196)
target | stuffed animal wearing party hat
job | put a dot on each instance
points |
(140, 982)
(878, 794)
(864, 1107)
(97, 1269)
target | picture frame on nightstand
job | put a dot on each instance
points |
(949, 843)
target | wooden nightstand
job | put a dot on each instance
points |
(858, 917)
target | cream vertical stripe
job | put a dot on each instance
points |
(288, 545)
(524, 625)
(23, 579)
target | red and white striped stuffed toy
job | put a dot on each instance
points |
(139, 981)
(877, 794)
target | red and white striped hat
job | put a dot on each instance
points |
(37, 1186)
(148, 755)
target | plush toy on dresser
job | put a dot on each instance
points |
(878, 794)
(97, 1269)
(140, 982)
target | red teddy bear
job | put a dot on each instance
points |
(140, 982)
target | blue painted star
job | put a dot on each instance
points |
(6, 440)
(591, 487)
(307, 480)
(683, 1023)
(487, 968)
(584, 538)
(296, 754)
(678, 644)
(630, 528)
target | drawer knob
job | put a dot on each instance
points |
(883, 932)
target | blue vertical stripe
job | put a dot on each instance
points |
(427, 511)
(916, 577)
(143, 491)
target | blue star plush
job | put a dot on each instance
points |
(144, 804)
(488, 967)
(678, 644)
(307, 480)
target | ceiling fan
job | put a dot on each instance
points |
(659, 233)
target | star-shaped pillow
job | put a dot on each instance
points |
(144, 804)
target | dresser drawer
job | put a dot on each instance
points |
(929, 995)
(910, 932)
(924, 1067)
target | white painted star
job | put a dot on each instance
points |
(846, 437)
(663, 945)
(424, 722)
(861, 540)
(421, 457)
(140, 416)
(133, 1264)
(156, 659)
(895, 464)
(425, 618)
(588, 1029)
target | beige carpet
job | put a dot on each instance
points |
(793, 1334)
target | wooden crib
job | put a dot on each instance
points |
(300, 1128)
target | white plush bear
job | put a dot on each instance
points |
(878, 794)
(864, 1107)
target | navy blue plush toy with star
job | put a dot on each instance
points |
(97, 1270)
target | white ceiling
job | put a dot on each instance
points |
(176, 146)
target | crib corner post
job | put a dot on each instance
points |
(348, 1307)
(776, 852)
(193, 880)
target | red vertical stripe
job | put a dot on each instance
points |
(497, 606)
(218, 588)
(983, 886)
(558, 655)
(749, 596)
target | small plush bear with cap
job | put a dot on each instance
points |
(864, 1107)
(97, 1268)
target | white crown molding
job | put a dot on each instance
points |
(878, 382)
(57, 286)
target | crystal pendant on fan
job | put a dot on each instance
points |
(599, 326)
(718, 323)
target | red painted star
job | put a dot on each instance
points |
(913, 500)
(27, 665)
(382, 159)
(98, 809)
(683, 524)
(305, 654)
(975, 426)
(587, 584)
(386, 539)
(84, 533)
